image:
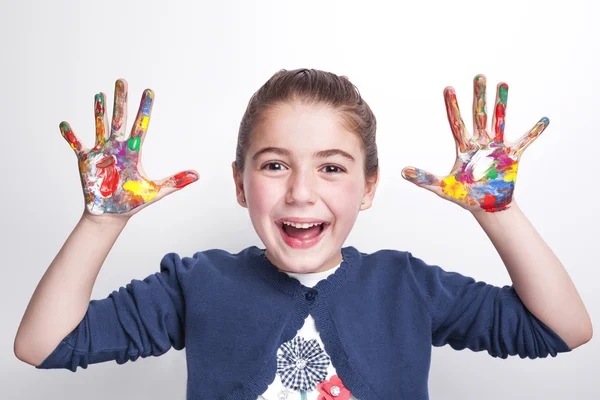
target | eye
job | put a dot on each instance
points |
(273, 166)
(332, 169)
(277, 166)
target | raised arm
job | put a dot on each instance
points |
(115, 188)
(482, 181)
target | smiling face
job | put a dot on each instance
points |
(304, 184)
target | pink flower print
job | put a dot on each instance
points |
(333, 389)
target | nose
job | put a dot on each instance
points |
(301, 188)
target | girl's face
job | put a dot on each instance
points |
(302, 168)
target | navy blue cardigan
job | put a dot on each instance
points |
(378, 316)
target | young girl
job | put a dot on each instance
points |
(304, 318)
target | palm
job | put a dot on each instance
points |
(112, 177)
(485, 170)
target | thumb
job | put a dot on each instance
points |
(421, 178)
(181, 179)
(176, 182)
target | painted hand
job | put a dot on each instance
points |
(112, 177)
(485, 171)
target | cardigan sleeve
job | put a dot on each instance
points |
(479, 316)
(145, 318)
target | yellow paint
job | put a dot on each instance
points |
(141, 188)
(100, 130)
(143, 124)
(510, 174)
(83, 167)
(453, 188)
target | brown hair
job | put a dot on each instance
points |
(312, 86)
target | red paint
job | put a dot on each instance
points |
(489, 202)
(99, 109)
(499, 127)
(109, 175)
(73, 140)
(184, 178)
(454, 123)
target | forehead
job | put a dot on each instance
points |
(303, 127)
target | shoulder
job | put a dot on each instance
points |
(210, 261)
(389, 260)
(402, 264)
(384, 265)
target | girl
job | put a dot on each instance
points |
(303, 318)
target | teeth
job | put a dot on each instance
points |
(301, 226)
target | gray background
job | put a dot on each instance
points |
(205, 59)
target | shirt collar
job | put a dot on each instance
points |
(312, 278)
(347, 269)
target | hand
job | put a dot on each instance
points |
(485, 170)
(112, 177)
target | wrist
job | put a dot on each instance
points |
(105, 220)
(483, 216)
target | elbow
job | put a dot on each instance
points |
(23, 353)
(589, 333)
(584, 337)
(20, 351)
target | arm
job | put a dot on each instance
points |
(482, 181)
(466, 313)
(61, 298)
(537, 274)
(115, 188)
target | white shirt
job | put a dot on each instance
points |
(276, 390)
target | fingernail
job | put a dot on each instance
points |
(410, 173)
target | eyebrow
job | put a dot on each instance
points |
(319, 154)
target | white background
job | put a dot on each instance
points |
(204, 59)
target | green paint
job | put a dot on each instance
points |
(65, 127)
(303, 395)
(492, 173)
(134, 143)
(503, 94)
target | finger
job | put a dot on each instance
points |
(119, 120)
(101, 120)
(480, 134)
(142, 120)
(447, 188)
(500, 111)
(71, 138)
(421, 177)
(180, 179)
(529, 137)
(175, 183)
(456, 123)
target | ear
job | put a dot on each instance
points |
(370, 188)
(239, 185)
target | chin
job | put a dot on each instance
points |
(317, 251)
(303, 260)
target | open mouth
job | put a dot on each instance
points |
(302, 235)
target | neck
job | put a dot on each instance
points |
(329, 264)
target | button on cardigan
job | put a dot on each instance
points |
(378, 316)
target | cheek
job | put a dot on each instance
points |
(263, 194)
(347, 195)
(343, 198)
